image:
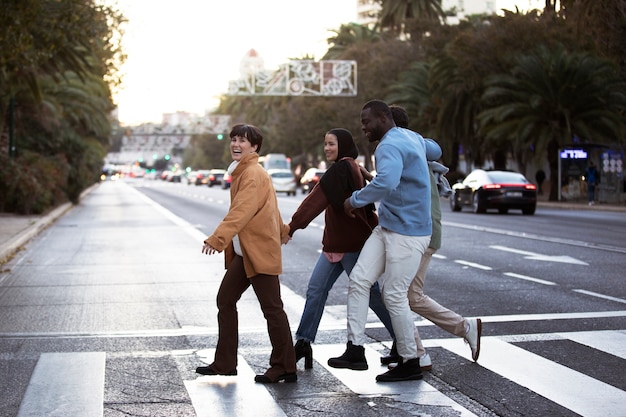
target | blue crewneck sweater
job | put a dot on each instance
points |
(402, 183)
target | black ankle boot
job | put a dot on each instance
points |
(304, 350)
(393, 356)
(353, 358)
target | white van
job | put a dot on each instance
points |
(275, 161)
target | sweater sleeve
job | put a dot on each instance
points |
(242, 208)
(389, 170)
(311, 207)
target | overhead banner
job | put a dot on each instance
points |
(300, 78)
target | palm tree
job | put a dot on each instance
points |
(348, 35)
(407, 17)
(550, 97)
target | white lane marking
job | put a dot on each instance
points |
(364, 382)
(609, 341)
(571, 389)
(339, 324)
(527, 278)
(606, 297)
(66, 384)
(232, 396)
(473, 265)
(525, 235)
(540, 257)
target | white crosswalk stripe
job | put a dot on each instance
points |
(364, 382)
(66, 384)
(573, 390)
(73, 384)
(230, 395)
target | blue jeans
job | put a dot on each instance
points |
(591, 192)
(324, 276)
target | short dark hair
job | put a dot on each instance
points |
(400, 115)
(378, 107)
(250, 132)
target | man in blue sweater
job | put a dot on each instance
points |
(395, 247)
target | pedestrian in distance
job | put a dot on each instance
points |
(342, 240)
(469, 329)
(540, 177)
(591, 176)
(393, 251)
(251, 235)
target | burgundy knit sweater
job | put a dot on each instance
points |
(341, 233)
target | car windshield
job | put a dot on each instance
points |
(507, 177)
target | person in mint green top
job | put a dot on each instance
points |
(393, 251)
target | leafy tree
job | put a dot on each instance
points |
(53, 38)
(58, 61)
(549, 97)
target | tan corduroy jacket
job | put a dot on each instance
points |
(254, 216)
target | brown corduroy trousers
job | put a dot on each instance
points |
(267, 290)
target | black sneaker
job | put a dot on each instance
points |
(405, 371)
(353, 358)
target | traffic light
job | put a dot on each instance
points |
(220, 136)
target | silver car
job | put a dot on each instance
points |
(283, 180)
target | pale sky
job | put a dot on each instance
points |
(182, 53)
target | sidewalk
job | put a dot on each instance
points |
(16, 230)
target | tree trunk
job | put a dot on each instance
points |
(553, 163)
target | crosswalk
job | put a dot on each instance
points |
(76, 383)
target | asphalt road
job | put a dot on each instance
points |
(109, 310)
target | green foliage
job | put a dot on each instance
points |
(206, 152)
(31, 184)
(58, 62)
(550, 97)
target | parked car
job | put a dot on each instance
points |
(196, 177)
(200, 177)
(175, 176)
(225, 182)
(283, 180)
(310, 178)
(502, 190)
(214, 177)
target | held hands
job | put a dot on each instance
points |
(348, 209)
(208, 249)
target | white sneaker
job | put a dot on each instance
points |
(425, 362)
(473, 337)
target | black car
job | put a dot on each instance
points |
(310, 178)
(198, 177)
(502, 190)
(214, 177)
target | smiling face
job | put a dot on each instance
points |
(331, 147)
(371, 125)
(240, 146)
